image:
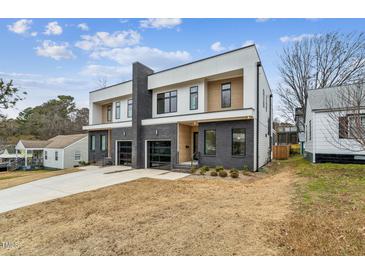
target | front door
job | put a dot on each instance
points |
(195, 145)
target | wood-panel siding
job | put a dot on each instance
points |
(185, 144)
(215, 98)
(104, 113)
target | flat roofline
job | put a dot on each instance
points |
(186, 64)
(200, 60)
(110, 86)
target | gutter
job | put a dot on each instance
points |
(258, 65)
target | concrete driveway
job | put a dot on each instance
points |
(89, 178)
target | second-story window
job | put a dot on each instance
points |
(117, 110)
(167, 102)
(129, 109)
(226, 95)
(194, 98)
(109, 113)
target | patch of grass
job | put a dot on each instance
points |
(329, 210)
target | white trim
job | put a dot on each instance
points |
(116, 151)
(239, 114)
(108, 126)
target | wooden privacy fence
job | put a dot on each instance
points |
(281, 152)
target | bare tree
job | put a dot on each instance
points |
(320, 61)
(102, 82)
(346, 117)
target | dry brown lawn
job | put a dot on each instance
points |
(14, 178)
(191, 216)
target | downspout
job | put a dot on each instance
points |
(258, 65)
(270, 125)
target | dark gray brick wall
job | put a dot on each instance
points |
(142, 109)
(164, 132)
(97, 155)
(223, 155)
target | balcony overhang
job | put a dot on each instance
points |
(238, 114)
(108, 126)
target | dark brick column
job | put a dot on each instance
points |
(142, 109)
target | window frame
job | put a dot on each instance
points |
(129, 108)
(197, 97)
(310, 130)
(232, 142)
(230, 94)
(351, 118)
(205, 142)
(56, 155)
(109, 113)
(101, 143)
(169, 98)
(45, 155)
(77, 152)
(117, 110)
(92, 142)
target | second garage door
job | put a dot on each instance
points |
(159, 154)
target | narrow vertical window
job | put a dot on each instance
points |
(209, 142)
(226, 95)
(77, 155)
(117, 110)
(103, 142)
(109, 113)
(45, 155)
(310, 130)
(130, 107)
(238, 142)
(56, 155)
(263, 98)
(92, 143)
(194, 98)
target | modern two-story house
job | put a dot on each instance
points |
(214, 111)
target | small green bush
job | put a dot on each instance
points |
(223, 173)
(202, 171)
(233, 170)
(204, 168)
(234, 174)
(213, 173)
(193, 170)
(245, 168)
(218, 168)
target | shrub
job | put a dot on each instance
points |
(245, 168)
(193, 170)
(202, 171)
(218, 168)
(233, 170)
(234, 174)
(213, 173)
(223, 173)
(204, 168)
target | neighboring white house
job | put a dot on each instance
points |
(324, 141)
(62, 151)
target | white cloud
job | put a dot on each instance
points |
(262, 20)
(83, 26)
(55, 51)
(34, 33)
(153, 57)
(295, 38)
(217, 46)
(53, 28)
(21, 26)
(106, 71)
(248, 43)
(105, 39)
(160, 23)
(123, 21)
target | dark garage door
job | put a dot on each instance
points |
(159, 154)
(125, 153)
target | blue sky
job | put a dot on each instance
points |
(49, 57)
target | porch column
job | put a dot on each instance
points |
(26, 158)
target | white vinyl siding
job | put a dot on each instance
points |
(51, 161)
(77, 147)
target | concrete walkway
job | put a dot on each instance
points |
(89, 178)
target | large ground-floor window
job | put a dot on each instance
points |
(238, 142)
(210, 142)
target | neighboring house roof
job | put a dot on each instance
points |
(62, 141)
(34, 143)
(326, 98)
(59, 141)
